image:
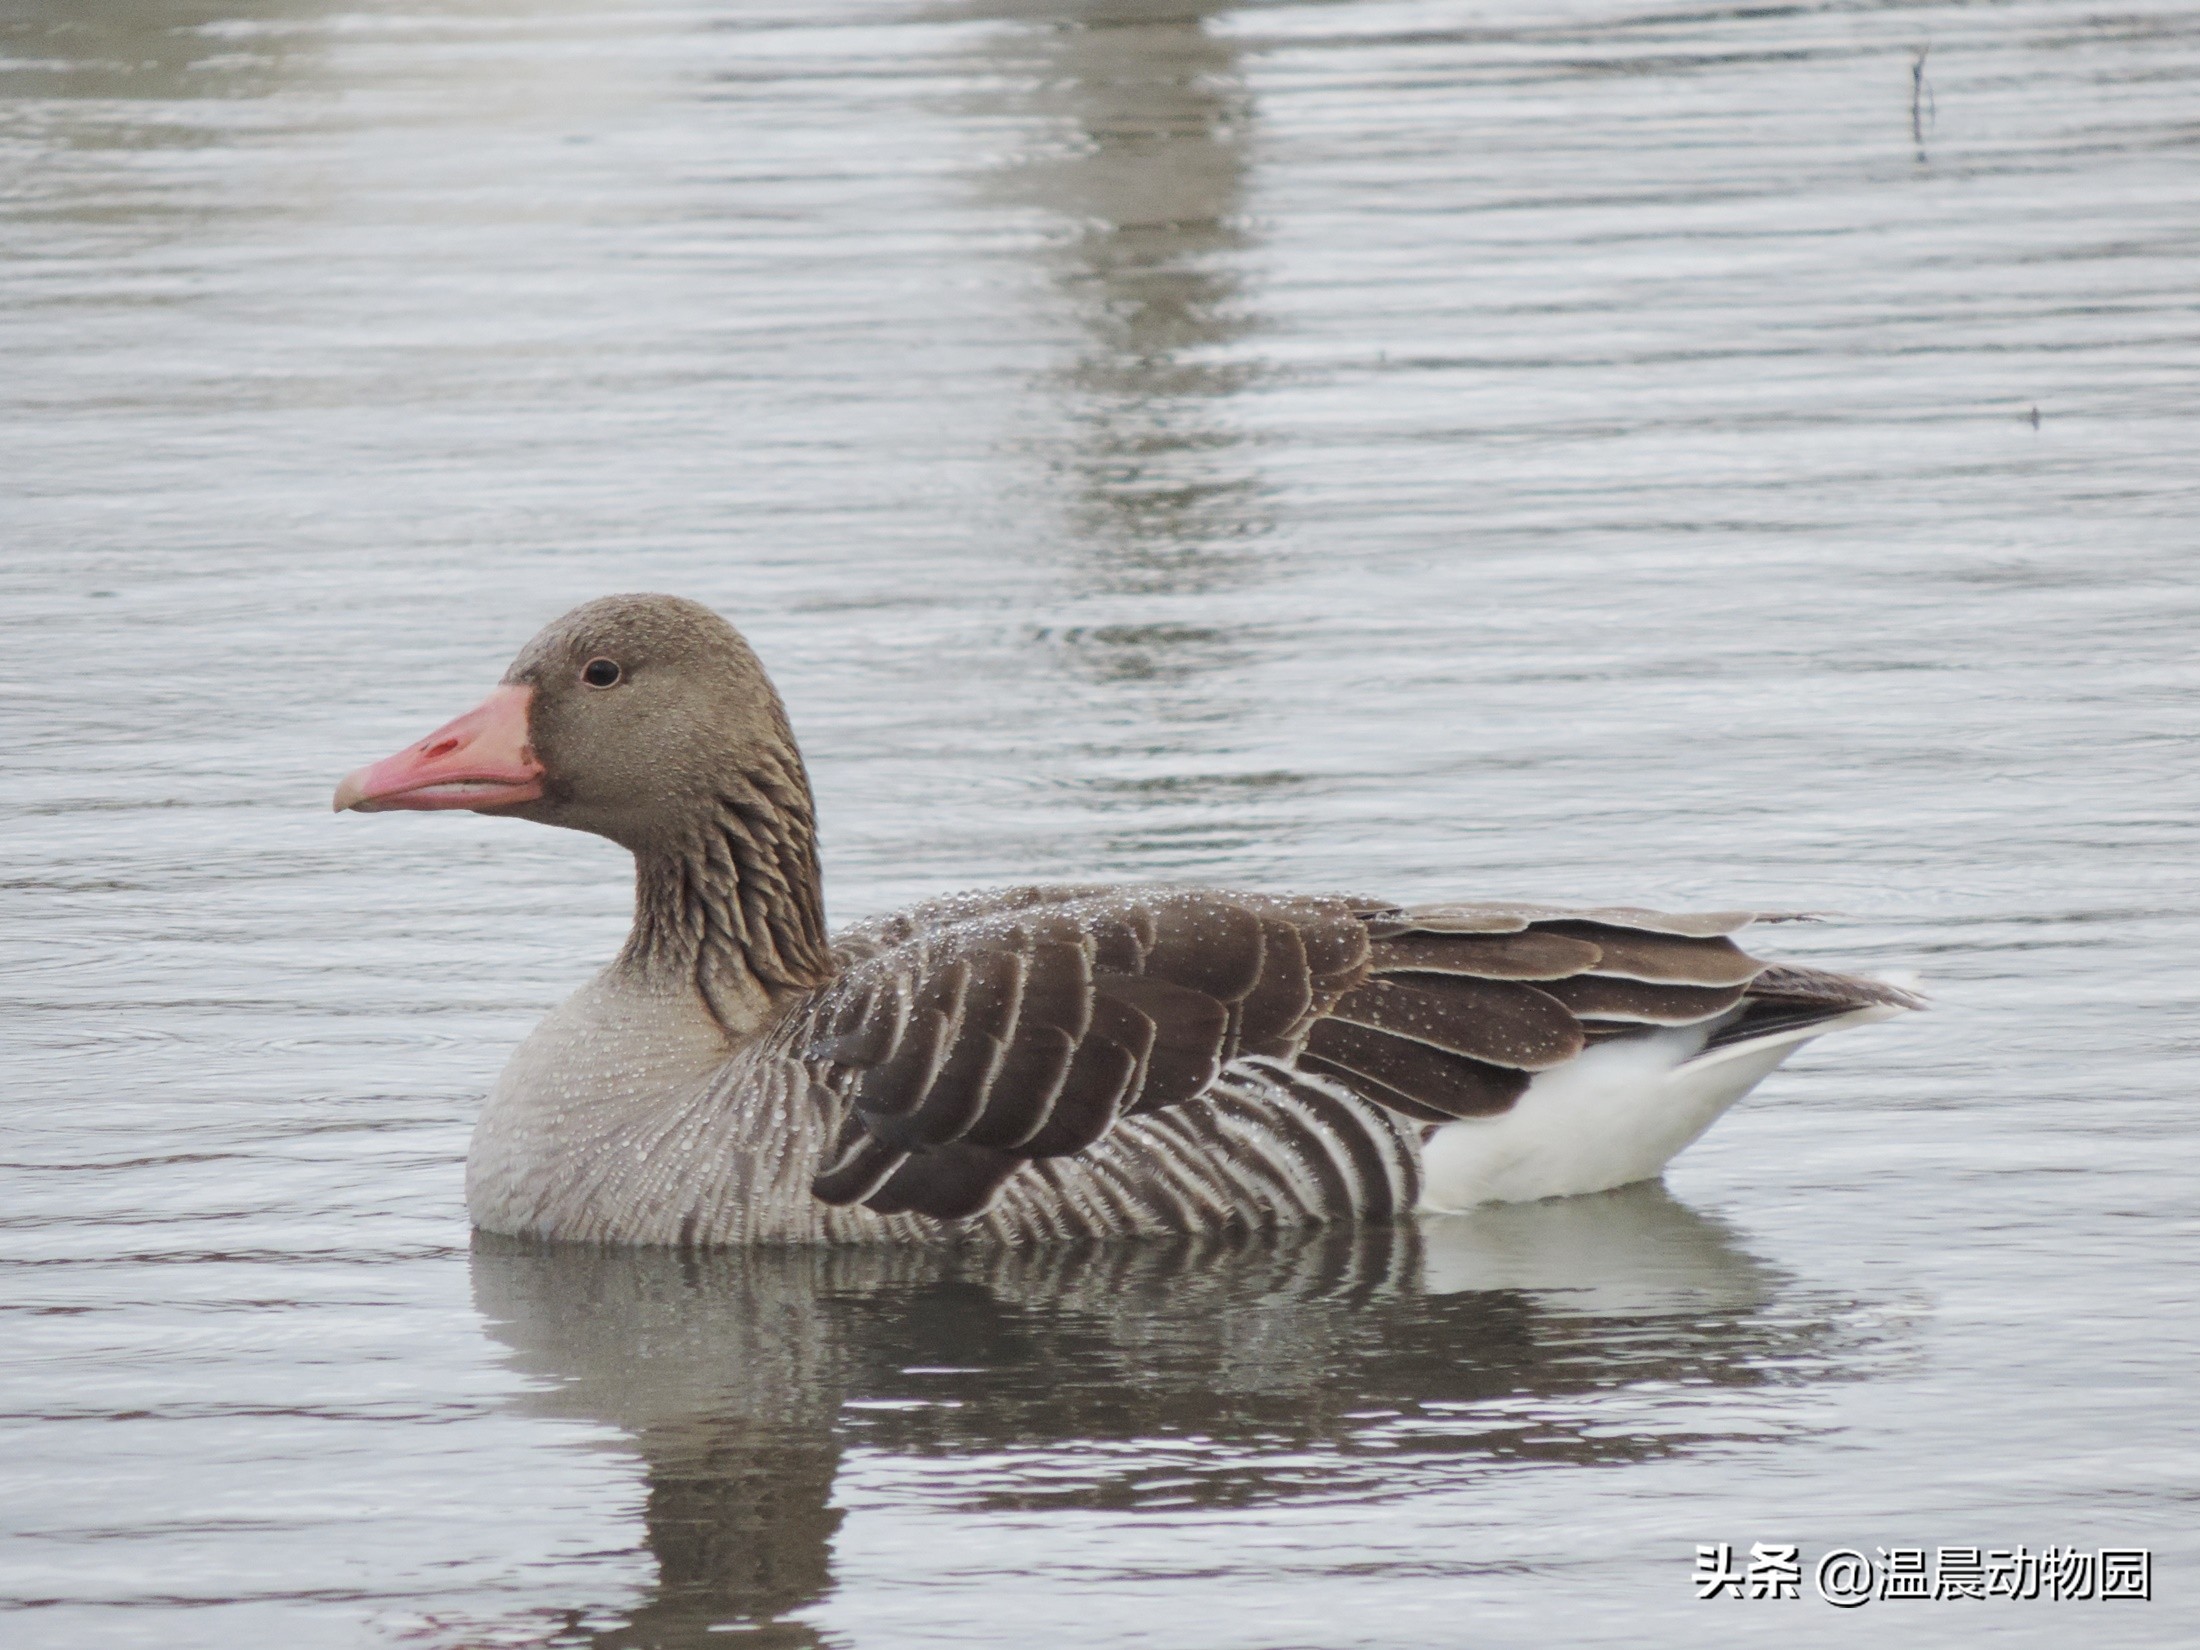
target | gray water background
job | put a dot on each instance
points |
(1678, 454)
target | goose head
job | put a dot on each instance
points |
(647, 719)
(631, 717)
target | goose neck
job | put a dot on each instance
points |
(732, 902)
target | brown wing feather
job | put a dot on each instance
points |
(1600, 997)
(1502, 1021)
(948, 1182)
(1465, 1003)
(1271, 1015)
(1440, 1084)
(1184, 1054)
(1787, 998)
(1024, 1028)
(1505, 917)
(973, 1035)
(1532, 954)
(1664, 959)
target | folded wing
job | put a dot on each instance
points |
(974, 1035)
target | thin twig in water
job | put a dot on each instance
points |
(1921, 99)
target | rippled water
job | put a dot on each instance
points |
(1673, 455)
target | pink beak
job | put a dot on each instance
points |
(482, 760)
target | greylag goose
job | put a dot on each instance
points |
(1038, 1062)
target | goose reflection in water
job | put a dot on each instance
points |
(1139, 136)
(1143, 170)
(1322, 1364)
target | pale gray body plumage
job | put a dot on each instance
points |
(1043, 1062)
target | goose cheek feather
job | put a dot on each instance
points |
(482, 760)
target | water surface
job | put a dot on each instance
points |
(1681, 455)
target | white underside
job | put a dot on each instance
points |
(1615, 1114)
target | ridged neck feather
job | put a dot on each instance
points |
(730, 897)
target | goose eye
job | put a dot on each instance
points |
(601, 673)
